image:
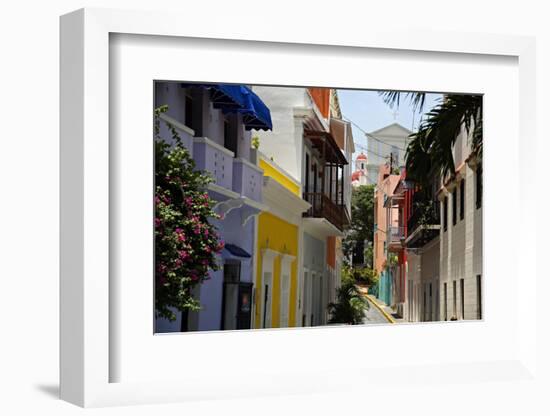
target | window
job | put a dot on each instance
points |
(314, 170)
(454, 301)
(478, 283)
(454, 205)
(462, 197)
(479, 186)
(430, 311)
(193, 111)
(266, 313)
(307, 173)
(231, 272)
(462, 299)
(394, 157)
(285, 294)
(445, 213)
(230, 295)
(445, 299)
(424, 304)
(230, 135)
(189, 110)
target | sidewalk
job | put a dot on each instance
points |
(387, 309)
(377, 313)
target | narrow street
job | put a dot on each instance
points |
(373, 315)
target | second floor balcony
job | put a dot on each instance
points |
(247, 179)
(395, 238)
(323, 207)
(424, 223)
(214, 159)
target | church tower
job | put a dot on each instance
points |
(359, 177)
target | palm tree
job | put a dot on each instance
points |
(350, 306)
(430, 150)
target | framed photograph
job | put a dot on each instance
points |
(230, 223)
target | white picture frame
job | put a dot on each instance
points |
(86, 309)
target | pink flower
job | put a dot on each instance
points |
(157, 222)
(183, 254)
(179, 234)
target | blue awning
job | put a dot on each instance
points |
(256, 115)
(239, 99)
(236, 251)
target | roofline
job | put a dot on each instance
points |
(395, 123)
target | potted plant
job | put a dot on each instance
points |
(254, 146)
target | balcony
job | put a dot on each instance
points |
(185, 133)
(247, 179)
(323, 207)
(395, 236)
(215, 159)
(424, 223)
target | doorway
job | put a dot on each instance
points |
(267, 284)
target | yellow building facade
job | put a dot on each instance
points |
(278, 249)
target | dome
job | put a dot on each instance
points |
(362, 156)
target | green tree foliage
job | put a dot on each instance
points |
(185, 242)
(360, 275)
(362, 222)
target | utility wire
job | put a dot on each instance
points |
(362, 147)
(370, 135)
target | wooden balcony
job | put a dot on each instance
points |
(323, 207)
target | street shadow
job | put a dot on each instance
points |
(51, 390)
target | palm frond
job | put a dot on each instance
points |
(393, 99)
(431, 148)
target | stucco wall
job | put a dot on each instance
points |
(230, 228)
(284, 143)
(414, 283)
(278, 235)
(461, 251)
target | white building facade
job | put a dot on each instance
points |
(461, 254)
(302, 143)
(386, 145)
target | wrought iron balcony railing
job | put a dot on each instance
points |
(396, 234)
(424, 223)
(323, 207)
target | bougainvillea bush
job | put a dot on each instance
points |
(186, 243)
